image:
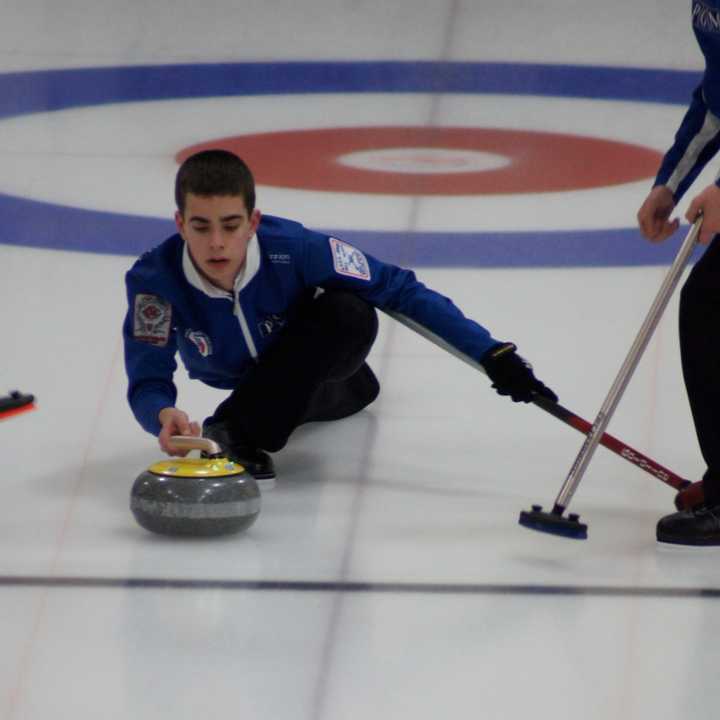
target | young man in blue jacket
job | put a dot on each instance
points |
(696, 142)
(281, 316)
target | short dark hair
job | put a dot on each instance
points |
(214, 172)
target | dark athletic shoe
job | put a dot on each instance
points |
(257, 462)
(700, 526)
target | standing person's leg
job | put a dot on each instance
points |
(315, 371)
(700, 353)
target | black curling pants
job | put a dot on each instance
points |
(700, 353)
(316, 370)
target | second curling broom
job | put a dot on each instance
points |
(555, 522)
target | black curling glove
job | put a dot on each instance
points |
(512, 375)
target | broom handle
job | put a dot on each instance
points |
(628, 367)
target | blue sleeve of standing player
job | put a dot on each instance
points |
(150, 365)
(331, 263)
(696, 142)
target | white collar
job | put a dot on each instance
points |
(248, 272)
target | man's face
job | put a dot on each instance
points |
(217, 230)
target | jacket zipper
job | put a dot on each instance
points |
(237, 311)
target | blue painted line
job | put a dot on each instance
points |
(265, 585)
(46, 225)
(49, 90)
(563, 249)
(35, 224)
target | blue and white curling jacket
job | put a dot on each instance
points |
(219, 334)
(698, 138)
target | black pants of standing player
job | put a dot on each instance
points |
(315, 371)
(700, 351)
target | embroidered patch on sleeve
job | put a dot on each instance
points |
(153, 316)
(348, 260)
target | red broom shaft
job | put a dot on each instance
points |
(612, 443)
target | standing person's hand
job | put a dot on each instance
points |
(707, 202)
(654, 214)
(175, 422)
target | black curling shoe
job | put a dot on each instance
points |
(700, 526)
(257, 462)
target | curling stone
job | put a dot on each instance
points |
(195, 496)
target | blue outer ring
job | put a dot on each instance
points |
(41, 224)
